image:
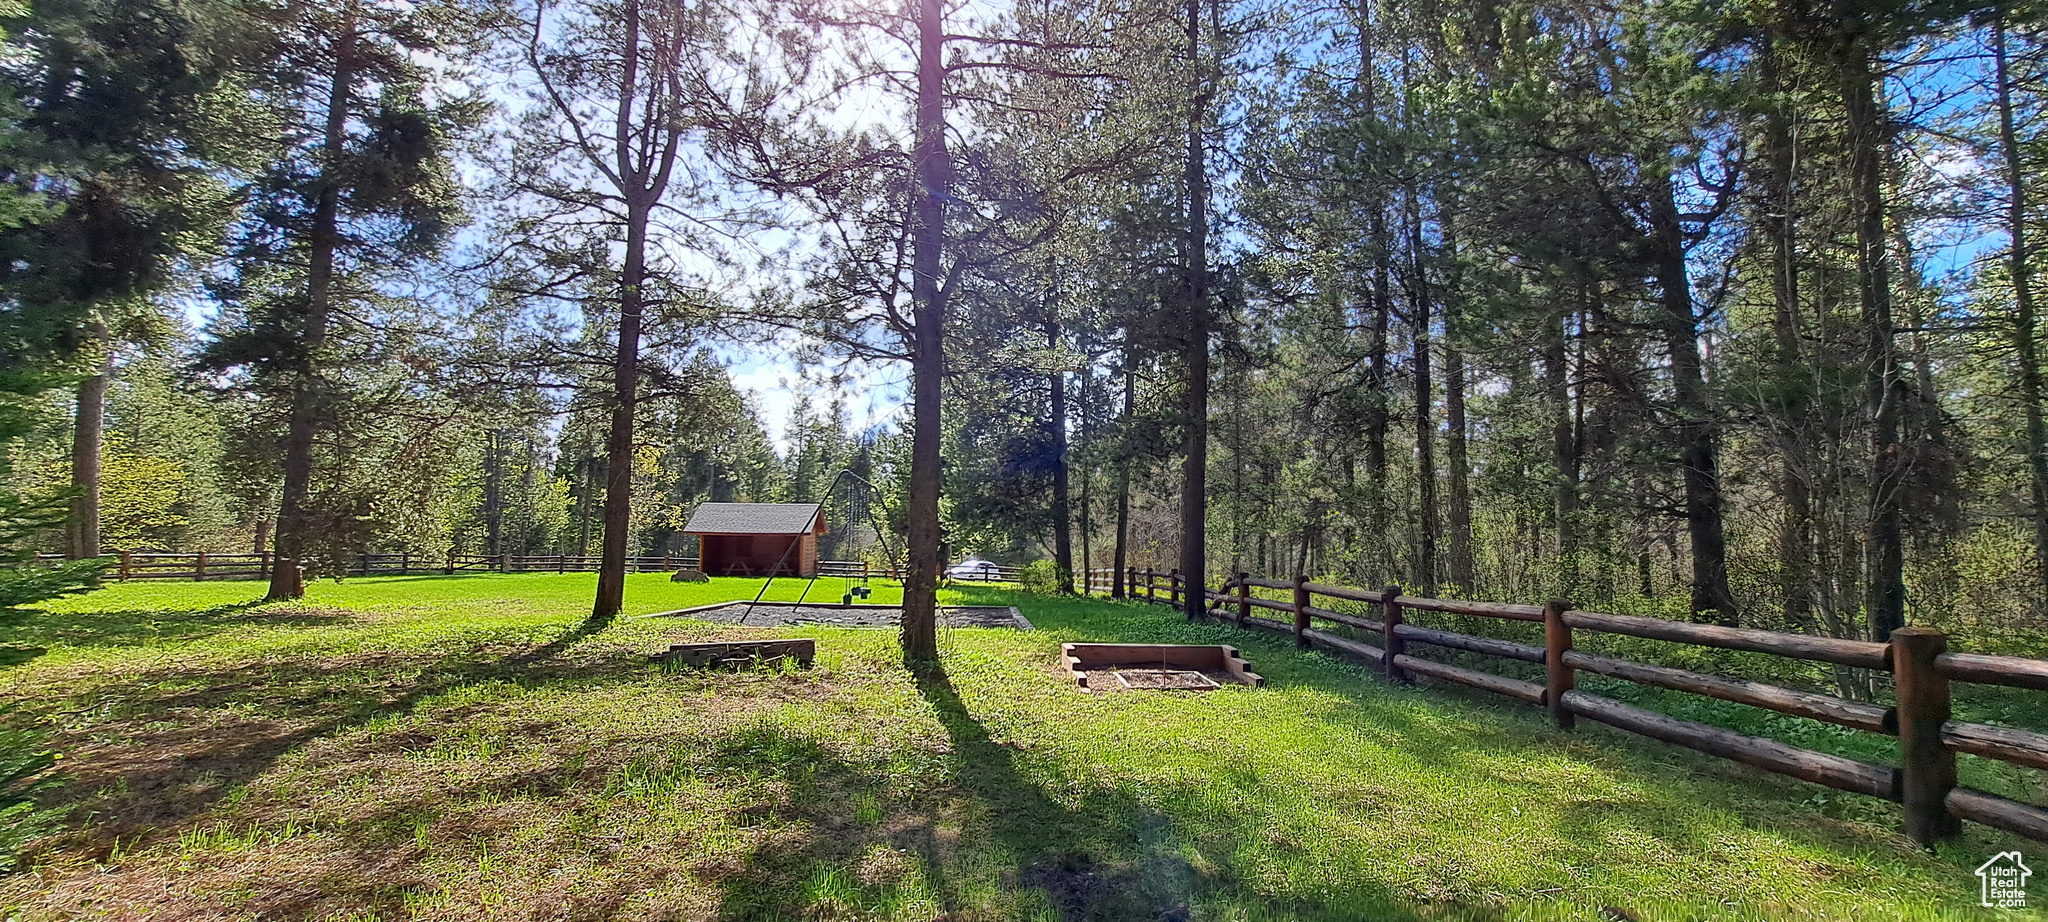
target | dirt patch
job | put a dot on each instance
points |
(1154, 678)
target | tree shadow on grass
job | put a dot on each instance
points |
(985, 825)
(134, 627)
(171, 743)
(1082, 859)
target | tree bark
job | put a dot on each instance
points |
(644, 157)
(1795, 533)
(1564, 452)
(2025, 321)
(1425, 580)
(1062, 515)
(1697, 429)
(1884, 549)
(287, 580)
(1195, 279)
(82, 528)
(494, 492)
(1119, 558)
(618, 469)
(1463, 569)
(927, 356)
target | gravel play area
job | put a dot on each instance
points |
(778, 614)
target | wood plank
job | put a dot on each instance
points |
(1770, 755)
(1506, 649)
(1485, 681)
(1994, 670)
(2007, 744)
(1482, 609)
(1861, 653)
(1362, 623)
(1344, 592)
(1268, 583)
(1999, 813)
(1364, 651)
(1268, 624)
(741, 652)
(1834, 710)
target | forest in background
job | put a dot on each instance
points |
(1719, 310)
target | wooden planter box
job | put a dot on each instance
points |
(741, 652)
(1174, 667)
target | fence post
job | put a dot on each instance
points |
(1244, 598)
(1173, 586)
(1131, 583)
(263, 564)
(199, 568)
(1390, 641)
(451, 562)
(405, 563)
(1301, 610)
(126, 561)
(1557, 641)
(1927, 769)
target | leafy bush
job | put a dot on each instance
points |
(1040, 576)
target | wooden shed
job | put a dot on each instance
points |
(757, 539)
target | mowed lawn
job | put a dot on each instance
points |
(456, 748)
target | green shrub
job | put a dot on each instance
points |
(1040, 576)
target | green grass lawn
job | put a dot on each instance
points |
(456, 748)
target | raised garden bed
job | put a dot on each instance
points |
(1156, 667)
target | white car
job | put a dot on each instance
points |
(972, 568)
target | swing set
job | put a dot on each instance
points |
(857, 498)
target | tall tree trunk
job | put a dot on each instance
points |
(1062, 518)
(1697, 430)
(494, 492)
(1795, 533)
(1087, 527)
(1378, 408)
(1194, 500)
(589, 465)
(618, 469)
(287, 579)
(1087, 524)
(1425, 407)
(2024, 323)
(1869, 139)
(927, 353)
(644, 156)
(1564, 450)
(82, 528)
(1119, 558)
(1464, 575)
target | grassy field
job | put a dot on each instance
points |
(456, 748)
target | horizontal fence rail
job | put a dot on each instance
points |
(1917, 659)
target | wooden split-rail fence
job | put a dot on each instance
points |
(137, 565)
(1918, 660)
